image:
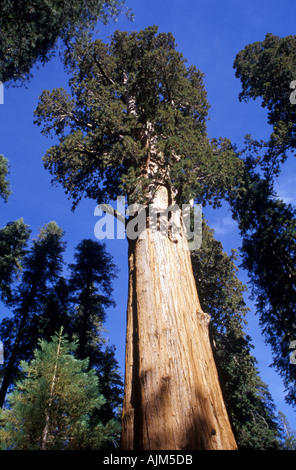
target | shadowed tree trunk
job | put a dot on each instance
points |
(173, 399)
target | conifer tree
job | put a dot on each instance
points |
(42, 266)
(31, 30)
(51, 406)
(13, 244)
(5, 189)
(110, 384)
(90, 289)
(268, 229)
(13, 239)
(267, 71)
(77, 302)
(56, 312)
(90, 294)
(136, 126)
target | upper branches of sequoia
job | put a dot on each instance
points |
(134, 119)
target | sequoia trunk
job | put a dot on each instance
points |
(173, 399)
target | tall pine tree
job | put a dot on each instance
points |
(42, 265)
(90, 287)
(13, 244)
(90, 294)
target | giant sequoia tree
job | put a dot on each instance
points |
(135, 125)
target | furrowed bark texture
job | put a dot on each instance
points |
(173, 399)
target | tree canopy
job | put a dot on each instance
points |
(268, 230)
(266, 70)
(30, 30)
(135, 120)
(42, 265)
(13, 244)
(5, 189)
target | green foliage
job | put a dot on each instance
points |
(41, 266)
(90, 293)
(288, 436)
(45, 257)
(135, 119)
(221, 293)
(30, 30)
(90, 288)
(45, 300)
(266, 70)
(110, 385)
(13, 242)
(268, 225)
(268, 229)
(5, 189)
(51, 406)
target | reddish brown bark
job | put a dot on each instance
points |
(173, 399)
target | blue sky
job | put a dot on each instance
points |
(209, 33)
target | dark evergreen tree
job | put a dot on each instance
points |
(90, 287)
(56, 311)
(267, 70)
(247, 398)
(30, 30)
(268, 229)
(5, 189)
(110, 384)
(42, 266)
(13, 244)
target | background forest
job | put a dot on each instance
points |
(63, 292)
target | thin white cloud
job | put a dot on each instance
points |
(285, 189)
(224, 225)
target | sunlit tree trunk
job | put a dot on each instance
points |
(47, 414)
(173, 399)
